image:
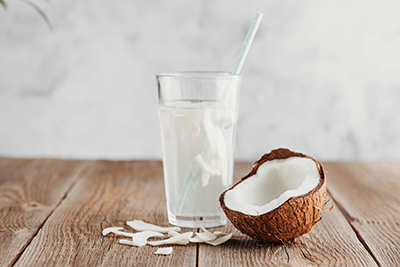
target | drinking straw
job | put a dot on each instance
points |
(192, 176)
(247, 43)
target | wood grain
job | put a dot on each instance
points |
(52, 213)
(369, 195)
(332, 242)
(106, 194)
(29, 191)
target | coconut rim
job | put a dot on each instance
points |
(266, 157)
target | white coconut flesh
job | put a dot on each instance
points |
(140, 225)
(273, 184)
(139, 239)
(164, 251)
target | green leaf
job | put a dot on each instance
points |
(40, 11)
(3, 4)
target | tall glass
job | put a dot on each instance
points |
(198, 112)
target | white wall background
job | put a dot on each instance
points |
(322, 77)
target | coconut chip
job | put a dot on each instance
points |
(139, 235)
(139, 225)
(124, 233)
(164, 251)
(133, 242)
(206, 235)
(207, 169)
(220, 240)
(214, 239)
(108, 230)
(172, 233)
(139, 239)
(180, 239)
(219, 233)
(146, 234)
(196, 239)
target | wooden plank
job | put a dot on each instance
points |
(106, 194)
(29, 191)
(332, 242)
(369, 195)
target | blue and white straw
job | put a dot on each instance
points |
(247, 43)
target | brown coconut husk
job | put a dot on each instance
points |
(287, 222)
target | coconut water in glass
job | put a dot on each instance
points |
(198, 112)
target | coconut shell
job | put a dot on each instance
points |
(292, 219)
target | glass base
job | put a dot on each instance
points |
(196, 222)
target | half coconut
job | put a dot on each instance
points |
(281, 198)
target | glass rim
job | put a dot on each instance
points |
(197, 74)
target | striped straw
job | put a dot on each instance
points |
(247, 43)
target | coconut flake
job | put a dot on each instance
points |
(173, 233)
(205, 230)
(210, 130)
(214, 239)
(164, 251)
(220, 240)
(196, 239)
(133, 242)
(146, 235)
(139, 235)
(219, 233)
(205, 177)
(217, 143)
(180, 239)
(207, 169)
(139, 225)
(108, 230)
(139, 239)
(124, 233)
(206, 235)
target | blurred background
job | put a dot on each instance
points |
(322, 77)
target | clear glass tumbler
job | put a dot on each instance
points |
(198, 112)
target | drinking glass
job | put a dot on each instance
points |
(198, 112)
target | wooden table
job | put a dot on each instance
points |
(52, 213)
